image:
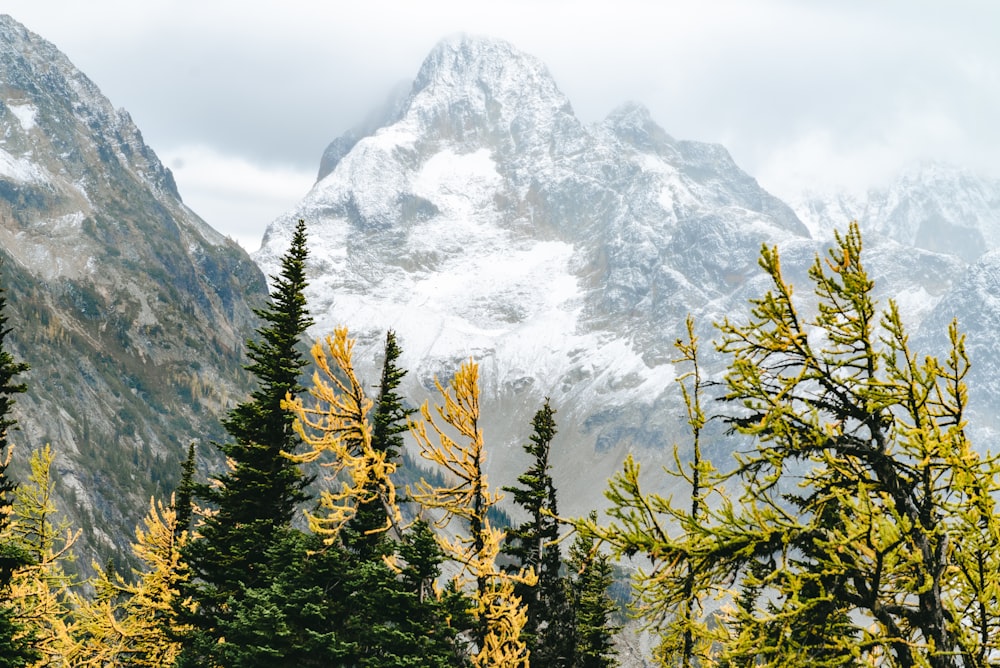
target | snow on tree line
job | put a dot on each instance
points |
(856, 525)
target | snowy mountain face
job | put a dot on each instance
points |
(931, 206)
(951, 216)
(130, 309)
(482, 219)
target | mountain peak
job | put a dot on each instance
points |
(633, 124)
(470, 84)
(461, 58)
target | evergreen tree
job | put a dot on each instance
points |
(9, 368)
(264, 484)
(258, 493)
(548, 631)
(386, 615)
(184, 498)
(15, 641)
(590, 577)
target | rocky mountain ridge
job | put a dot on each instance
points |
(130, 309)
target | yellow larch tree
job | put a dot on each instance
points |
(338, 433)
(131, 624)
(40, 590)
(467, 497)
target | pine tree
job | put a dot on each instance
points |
(264, 485)
(9, 368)
(532, 544)
(594, 632)
(184, 497)
(258, 493)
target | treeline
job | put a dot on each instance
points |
(382, 576)
(856, 525)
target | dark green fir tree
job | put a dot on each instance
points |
(16, 647)
(591, 575)
(256, 497)
(549, 629)
(184, 496)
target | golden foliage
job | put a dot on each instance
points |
(130, 624)
(338, 432)
(40, 591)
(468, 497)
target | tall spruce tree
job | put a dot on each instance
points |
(379, 615)
(257, 496)
(15, 644)
(184, 497)
(548, 631)
(594, 630)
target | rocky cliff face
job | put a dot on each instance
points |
(130, 309)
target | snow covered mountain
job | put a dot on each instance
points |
(480, 218)
(933, 206)
(130, 310)
(956, 213)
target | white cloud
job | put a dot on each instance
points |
(799, 92)
(234, 195)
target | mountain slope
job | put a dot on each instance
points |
(481, 218)
(130, 309)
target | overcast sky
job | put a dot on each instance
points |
(239, 99)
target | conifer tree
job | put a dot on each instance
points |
(365, 531)
(132, 623)
(338, 433)
(258, 493)
(532, 544)
(184, 497)
(40, 590)
(9, 368)
(391, 614)
(264, 484)
(15, 640)
(500, 615)
(865, 522)
(590, 577)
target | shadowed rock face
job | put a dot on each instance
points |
(130, 309)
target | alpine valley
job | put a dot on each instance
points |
(478, 217)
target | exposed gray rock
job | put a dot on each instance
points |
(130, 309)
